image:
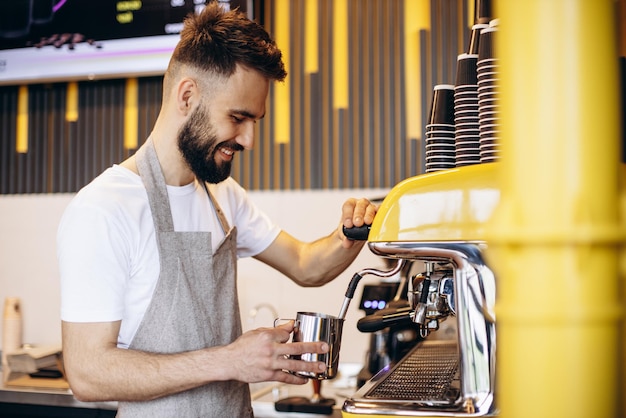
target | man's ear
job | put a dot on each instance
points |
(186, 93)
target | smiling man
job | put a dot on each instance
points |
(148, 250)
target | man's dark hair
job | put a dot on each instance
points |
(217, 40)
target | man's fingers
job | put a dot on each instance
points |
(294, 349)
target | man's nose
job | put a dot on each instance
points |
(246, 135)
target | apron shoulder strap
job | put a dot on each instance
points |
(154, 181)
(218, 210)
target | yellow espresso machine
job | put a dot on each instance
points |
(436, 221)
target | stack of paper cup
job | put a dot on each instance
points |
(466, 121)
(11, 328)
(488, 101)
(440, 153)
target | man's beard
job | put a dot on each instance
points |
(198, 144)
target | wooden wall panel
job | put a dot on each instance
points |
(362, 145)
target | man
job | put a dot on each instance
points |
(147, 251)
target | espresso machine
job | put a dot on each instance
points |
(436, 224)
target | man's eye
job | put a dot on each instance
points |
(237, 119)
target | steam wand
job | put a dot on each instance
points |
(358, 276)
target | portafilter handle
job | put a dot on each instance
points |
(385, 318)
(355, 281)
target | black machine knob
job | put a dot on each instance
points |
(357, 233)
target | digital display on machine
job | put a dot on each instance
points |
(59, 40)
(377, 297)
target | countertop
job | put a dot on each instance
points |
(264, 395)
(47, 397)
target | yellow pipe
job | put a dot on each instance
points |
(340, 54)
(311, 37)
(21, 130)
(555, 238)
(131, 114)
(416, 17)
(622, 268)
(71, 102)
(281, 92)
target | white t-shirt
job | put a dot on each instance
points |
(107, 250)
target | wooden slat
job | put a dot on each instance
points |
(395, 110)
(377, 153)
(318, 142)
(351, 146)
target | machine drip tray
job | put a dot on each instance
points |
(428, 374)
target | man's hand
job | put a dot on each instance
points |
(262, 355)
(355, 213)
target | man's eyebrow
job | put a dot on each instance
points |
(248, 114)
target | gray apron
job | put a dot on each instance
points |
(194, 305)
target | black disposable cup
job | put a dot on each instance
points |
(467, 156)
(460, 162)
(489, 146)
(487, 66)
(442, 106)
(467, 143)
(489, 107)
(467, 126)
(435, 168)
(486, 87)
(473, 133)
(488, 100)
(489, 138)
(439, 166)
(466, 89)
(491, 129)
(440, 147)
(487, 62)
(440, 134)
(475, 38)
(464, 163)
(488, 114)
(447, 163)
(487, 77)
(487, 47)
(466, 70)
(468, 116)
(441, 141)
(439, 127)
(441, 154)
(488, 92)
(441, 160)
(466, 101)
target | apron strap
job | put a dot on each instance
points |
(148, 167)
(218, 210)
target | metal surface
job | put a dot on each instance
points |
(311, 326)
(428, 374)
(357, 278)
(442, 378)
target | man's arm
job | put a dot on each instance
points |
(318, 262)
(100, 371)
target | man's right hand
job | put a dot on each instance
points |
(263, 355)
